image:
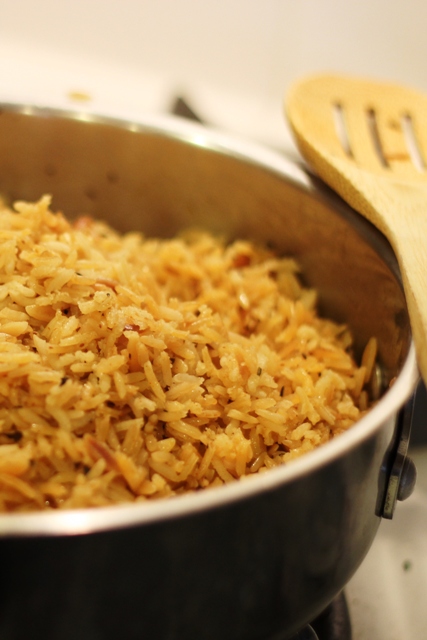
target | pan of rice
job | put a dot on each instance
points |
(206, 372)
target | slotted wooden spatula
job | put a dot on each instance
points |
(368, 141)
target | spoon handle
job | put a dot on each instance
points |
(410, 246)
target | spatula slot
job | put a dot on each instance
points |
(372, 122)
(414, 150)
(341, 128)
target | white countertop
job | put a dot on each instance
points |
(386, 596)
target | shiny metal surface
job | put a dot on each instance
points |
(408, 480)
(403, 473)
(253, 558)
(307, 633)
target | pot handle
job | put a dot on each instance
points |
(400, 470)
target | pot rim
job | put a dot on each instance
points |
(91, 520)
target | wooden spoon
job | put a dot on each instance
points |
(368, 141)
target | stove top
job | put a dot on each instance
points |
(332, 624)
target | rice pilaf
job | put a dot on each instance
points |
(134, 368)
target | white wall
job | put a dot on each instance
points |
(235, 57)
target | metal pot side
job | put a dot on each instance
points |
(258, 557)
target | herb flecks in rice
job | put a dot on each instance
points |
(135, 368)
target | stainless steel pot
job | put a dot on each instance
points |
(253, 559)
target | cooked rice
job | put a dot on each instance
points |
(135, 368)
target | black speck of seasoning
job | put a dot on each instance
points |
(91, 193)
(16, 436)
(282, 390)
(167, 387)
(66, 311)
(78, 273)
(63, 381)
(50, 170)
(80, 465)
(259, 371)
(110, 404)
(112, 177)
(197, 312)
(407, 565)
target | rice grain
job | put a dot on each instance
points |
(135, 368)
